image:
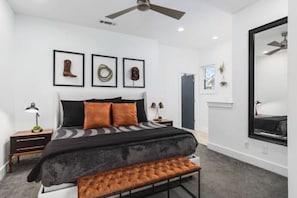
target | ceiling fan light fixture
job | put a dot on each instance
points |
(143, 5)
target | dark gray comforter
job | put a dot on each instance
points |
(65, 160)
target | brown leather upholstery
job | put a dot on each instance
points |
(124, 114)
(97, 115)
(131, 177)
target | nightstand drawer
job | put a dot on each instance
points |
(167, 123)
(29, 143)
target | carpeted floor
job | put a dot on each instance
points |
(221, 177)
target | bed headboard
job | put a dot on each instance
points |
(58, 113)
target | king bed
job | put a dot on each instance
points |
(75, 151)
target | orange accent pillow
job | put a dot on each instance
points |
(124, 114)
(97, 115)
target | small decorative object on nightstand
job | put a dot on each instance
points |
(28, 143)
(164, 121)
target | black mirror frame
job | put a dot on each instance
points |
(251, 80)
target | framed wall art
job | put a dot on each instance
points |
(69, 69)
(104, 71)
(133, 73)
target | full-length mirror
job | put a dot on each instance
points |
(268, 82)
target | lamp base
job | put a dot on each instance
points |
(36, 131)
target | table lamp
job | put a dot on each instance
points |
(157, 107)
(256, 107)
(34, 109)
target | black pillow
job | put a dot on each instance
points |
(141, 115)
(73, 113)
(117, 99)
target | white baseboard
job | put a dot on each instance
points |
(250, 159)
(3, 170)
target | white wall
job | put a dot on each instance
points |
(271, 83)
(36, 38)
(292, 108)
(216, 55)
(228, 128)
(6, 80)
(176, 61)
(35, 41)
(173, 62)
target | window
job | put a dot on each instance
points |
(208, 74)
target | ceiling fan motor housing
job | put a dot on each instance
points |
(143, 5)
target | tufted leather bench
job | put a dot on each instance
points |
(125, 179)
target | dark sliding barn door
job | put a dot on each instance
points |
(188, 100)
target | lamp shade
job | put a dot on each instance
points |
(153, 105)
(32, 109)
(161, 105)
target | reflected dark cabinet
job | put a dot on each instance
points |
(268, 82)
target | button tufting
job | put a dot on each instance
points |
(103, 184)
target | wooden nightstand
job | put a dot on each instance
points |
(164, 121)
(28, 143)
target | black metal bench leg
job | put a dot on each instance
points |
(168, 189)
(198, 184)
(180, 180)
(130, 193)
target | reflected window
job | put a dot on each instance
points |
(209, 73)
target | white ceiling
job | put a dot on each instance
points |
(203, 19)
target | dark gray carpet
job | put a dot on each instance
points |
(221, 177)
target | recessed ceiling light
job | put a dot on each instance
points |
(181, 29)
(215, 37)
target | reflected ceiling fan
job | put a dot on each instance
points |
(281, 45)
(144, 5)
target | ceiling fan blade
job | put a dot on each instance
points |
(273, 51)
(275, 44)
(117, 14)
(167, 11)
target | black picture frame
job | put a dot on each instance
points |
(251, 106)
(58, 67)
(128, 63)
(113, 66)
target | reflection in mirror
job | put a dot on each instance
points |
(208, 74)
(268, 82)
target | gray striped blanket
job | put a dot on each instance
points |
(72, 132)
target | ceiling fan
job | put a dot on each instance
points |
(281, 45)
(144, 5)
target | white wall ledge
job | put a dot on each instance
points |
(220, 104)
